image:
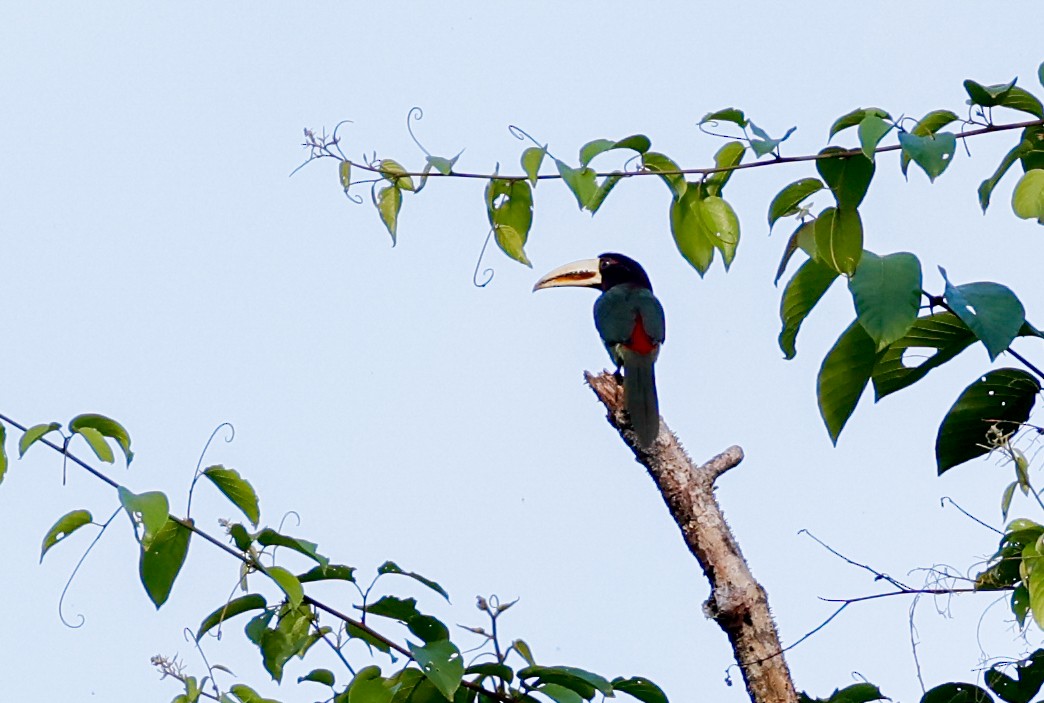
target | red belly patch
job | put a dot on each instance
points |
(640, 340)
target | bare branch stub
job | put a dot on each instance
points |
(737, 602)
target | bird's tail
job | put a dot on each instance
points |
(640, 397)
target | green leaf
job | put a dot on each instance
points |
(727, 157)
(990, 310)
(559, 694)
(843, 376)
(886, 291)
(839, 239)
(258, 625)
(524, 651)
(491, 669)
(531, 160)
(933, 153)
(1040, 74)
(34, 434)
(3, 452)
(722, 226)
(107, 427)
(636, 142)
(369, 686)
(943, 331)
(987, 186)
(1020, 604)
(655, 162)
(690, 234)
(988, 95)
(149, 511)
(856, 693)
(270, 538)
(395, 174)
(799, 297)
(330, 572)
(288, 583)
(1023, 101)
(243, 539)
(389, 202)
(1003, 397)
(956, 693)
(323, 676)
(509, 208)
(367, 637)
(442, 164)
(393, 607)
(162, 560)
(1027, 200)
(345, 172)
(926, 127)
(234, 607)
(276, 650)
(607, 184)
(583, 683)
(788, 252)
(248, 695)
(441, 663)
(872, 129)
(729, 114)
(97, 443)
(766, 144)
(788, 201)
(580, 181)
(65, 526)
(1035, 588)
(641, 688)
(390, 567)
(848, 177)
(1029, 677)
(236, 489)
(856, 117)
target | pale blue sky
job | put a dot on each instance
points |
(161, 268)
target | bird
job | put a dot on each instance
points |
(632, 326)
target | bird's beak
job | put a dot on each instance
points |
(579, 273)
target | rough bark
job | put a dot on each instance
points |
(737, 602)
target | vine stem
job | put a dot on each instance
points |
(319, 605)
(988, 129)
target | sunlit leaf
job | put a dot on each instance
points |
(990, 310)
(149, 511)
(509, 208)
(886, 291)
(855, 117)
(848, 177)
(607, 184)
(288, 583)
(270, 538)
(690, 234)
(236, 606)
(531, 160)
(722, 226)
(107, 427)
(727, 157)
(237, 489)
(345, 173)
(656, 162)
(323, 676)
(1027, 200)
(162, 560)
(839, 239)
(96, 441)
(799, 297)
(729, 114)
(63, 527)
(442, 164)
(245, 694)
(843, 376)
(636, 142)
(524, 651)
(389, 202)
(394, 172)
(1023, 101)
(34, 434)
(369, 686)
(580, 181)
(933, 153)
(788, 201)
(442, 663)
(1003, 397)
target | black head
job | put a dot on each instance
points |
(615, 269)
